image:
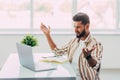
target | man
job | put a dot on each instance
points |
(84, 51)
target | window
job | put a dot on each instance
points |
(26, 15)
(55, 13)
(14, 14)
(102, 12)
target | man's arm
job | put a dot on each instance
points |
(94, 60)
(87, 54)
(58, 51)
(46, 31)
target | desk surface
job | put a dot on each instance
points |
(12, 70)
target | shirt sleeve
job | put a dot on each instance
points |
(98, 55)
(63, 50)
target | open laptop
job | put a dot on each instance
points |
(27, 60)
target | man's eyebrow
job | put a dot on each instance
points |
(76, 26)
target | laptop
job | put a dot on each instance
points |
(26, 59)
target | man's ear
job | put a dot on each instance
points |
(87, 26)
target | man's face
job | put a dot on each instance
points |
(79, 29)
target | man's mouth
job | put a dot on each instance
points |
(77, 34)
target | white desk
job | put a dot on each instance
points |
(12, 70)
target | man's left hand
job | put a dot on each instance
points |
(87, 52)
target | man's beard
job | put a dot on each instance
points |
(81, 35)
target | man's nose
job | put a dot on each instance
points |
(76, 29)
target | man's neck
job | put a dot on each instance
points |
(85, 36)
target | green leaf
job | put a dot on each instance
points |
(30, 40)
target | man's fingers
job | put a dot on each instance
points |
(87, 50)
(41, 26)
(49, 27)
(92, 49)
(83, 50)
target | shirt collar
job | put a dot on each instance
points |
(87, 40)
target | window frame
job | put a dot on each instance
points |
(31, 30)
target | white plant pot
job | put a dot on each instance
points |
(24, 47)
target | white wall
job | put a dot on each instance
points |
(111, 43)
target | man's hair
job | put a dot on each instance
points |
(83, 17)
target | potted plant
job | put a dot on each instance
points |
(30, 40)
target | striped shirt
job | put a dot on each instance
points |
(86, 72)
